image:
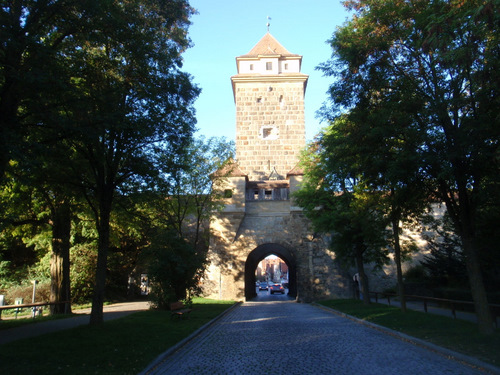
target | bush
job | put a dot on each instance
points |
(175, 269)
(83, 263)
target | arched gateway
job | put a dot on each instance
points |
(260, 253)
(259, 217)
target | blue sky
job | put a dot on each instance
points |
(225, 29)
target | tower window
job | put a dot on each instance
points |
(269, 66)
(286, 66)
(269, 132)
(251, 66)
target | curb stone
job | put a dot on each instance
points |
(450, 354)
(167, 353)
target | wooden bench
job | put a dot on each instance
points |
(179, 310)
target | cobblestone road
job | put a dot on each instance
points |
(285, 337)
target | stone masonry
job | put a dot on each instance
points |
(270, 127)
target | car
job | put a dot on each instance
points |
(277, 288)
(263, 286)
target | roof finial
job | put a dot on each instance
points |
(268, 23)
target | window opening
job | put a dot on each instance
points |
(268, 195)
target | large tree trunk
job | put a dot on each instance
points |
(60, 287)
(363, 287)
(462, 216)
(484, 318)
(397, 260)
(96, 315)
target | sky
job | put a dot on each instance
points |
(225, 29)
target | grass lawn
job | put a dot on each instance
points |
(122, 346)
(455, 334)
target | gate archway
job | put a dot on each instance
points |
(259, 253)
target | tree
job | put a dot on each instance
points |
(33, 202)
(337, 201)
(441, 57)
(175, 268)
(179, 213)
(445, 263)
(189, 185)
(132, 102)
(380, 146)
(33, 99)
(32, 35)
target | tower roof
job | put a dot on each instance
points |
(268, 46)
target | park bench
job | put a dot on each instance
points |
(179, 310)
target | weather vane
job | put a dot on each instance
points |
(268, 23)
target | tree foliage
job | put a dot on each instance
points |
(337, 200)
(99, 84)
(433, 66)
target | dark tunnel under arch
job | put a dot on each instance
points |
(259, 253)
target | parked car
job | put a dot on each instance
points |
(277, 288)
(263, 286)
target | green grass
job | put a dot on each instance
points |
(121, 346)
(455, 334)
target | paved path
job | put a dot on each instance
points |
(285, 337)
(83, 316)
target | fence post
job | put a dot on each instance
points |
(425, 305)
(453, 312)
(2, 303)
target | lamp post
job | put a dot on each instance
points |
(34, 282)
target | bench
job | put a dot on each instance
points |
(179, 310)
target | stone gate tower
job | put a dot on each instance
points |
(259, 217)
(269, 94)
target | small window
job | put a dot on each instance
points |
(268, 195)
(251, 66)
(269, 132)
(286, 66)
(269, 66)
(256, 194)
(228, 193)
(259, 99)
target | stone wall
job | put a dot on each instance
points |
(234, 237)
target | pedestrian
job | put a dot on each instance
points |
(357, 286)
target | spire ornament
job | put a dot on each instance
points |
(268, 23)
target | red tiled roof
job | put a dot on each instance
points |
(230, 169)
(268, 45)
(296, 171)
